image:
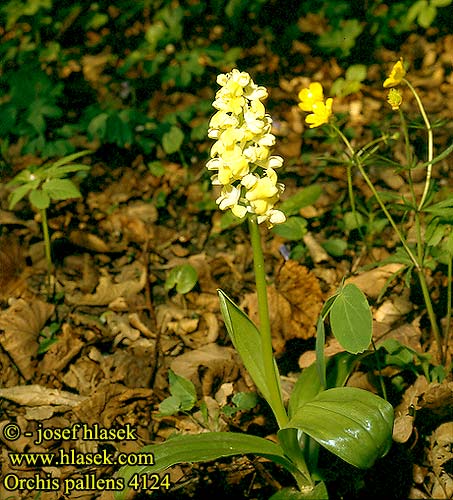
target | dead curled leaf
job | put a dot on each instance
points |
(107, 290)
(372, 282)
(20, 326)
(207, 366)
(295, 302)
(38, 395)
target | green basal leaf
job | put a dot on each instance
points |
(352, 423)
(203, 448)
(61, 189)
(320, 356)
(338, 368)
(184, 277)
(247, 341)
(39, 199)
(307, 387)
(351, 320)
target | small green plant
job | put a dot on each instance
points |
(352, 423)
(183, 277)
(432, 220)
(183, 395)
(44, 184)
(425, 11)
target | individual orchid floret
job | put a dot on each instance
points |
(396, 75)
(395, 99)
(241, 156)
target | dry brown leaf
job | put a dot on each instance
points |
(38, 395)
(60, 354)
(20, 326)
(294, 304)
(107, 291)
(372, 282)
(440, 453)
(207, 366)
(111, 401)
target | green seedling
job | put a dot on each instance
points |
(183, 277)
(43, 185)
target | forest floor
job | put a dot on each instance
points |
(118, 330)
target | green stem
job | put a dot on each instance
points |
(448, 318)
(378, 363)
(265, 327)
(430, 143)
(359, 165)
(45, 230)
(431, 314)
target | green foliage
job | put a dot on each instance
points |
(294, 228)
(242, 401)
(341, 39)
(351, 320)
(354, 424)
(351, 83)
(247, 340)
(183, 396)
(183, 277)
(425, 11)
(47, 183)
(48, 337)
(203, 448)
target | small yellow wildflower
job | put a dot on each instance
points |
(396, 75)
(395, 99)
(312, 100)
(309, 97)
(321, 113)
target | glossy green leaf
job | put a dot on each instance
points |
(351, 320)
(203, 448)
(354, 424)
(246, 339)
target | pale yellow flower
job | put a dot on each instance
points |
(241, 156)
(396, 75)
